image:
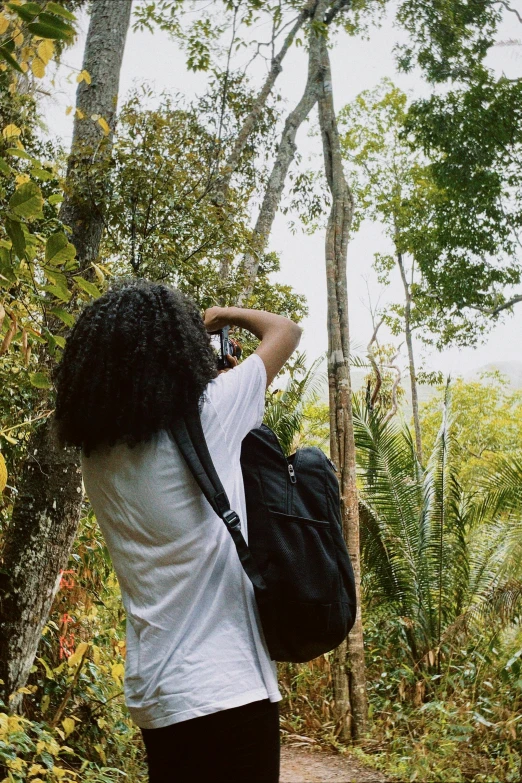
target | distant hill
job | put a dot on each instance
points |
(512, 371)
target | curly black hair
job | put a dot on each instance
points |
(135, 358)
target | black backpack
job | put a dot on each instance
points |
(296, 556)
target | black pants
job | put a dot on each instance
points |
(240, 745)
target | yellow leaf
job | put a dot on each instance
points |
(99, 273)
(38, 68)
(11, 130)
(80, 114)
(16, 723)
(16, 764)
(78, 654)
(84, 76)
(44, 705)
(117, 671)
(3, 473)
(24, 67)
(18, 37)
(103, 125)
(68, 109)
(45, 50)
(21, 179)
(4, 24)
(68, 725)
(101, 751)
(34, 769)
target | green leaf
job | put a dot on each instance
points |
(59, 340)
(40, 380)
(27, 201)
(58, 291)
(17, 236)
(63, 315)
(55, 198)
(58, 249)
(60, 10)
(50, 31)
(50, 19)
(89, 288)
(55, 276)
(41, 174)
(26, 12)
(47, 759)
(7, 273)
(48, 671)
(10, 60)
(5, 168)
(20, 154)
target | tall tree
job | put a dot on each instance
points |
(234, 156)
(471, 132)
(324, 14)
(349, 692)
(393, 187)
(46, 512)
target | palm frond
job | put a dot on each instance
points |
(285, 412)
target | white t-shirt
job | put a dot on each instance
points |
(194, 640)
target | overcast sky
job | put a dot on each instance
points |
(357, 65)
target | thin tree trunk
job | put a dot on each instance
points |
(411, 360)
(285, 155)
(221, 186)
(47, 509)
(349, 677)
(232, 162)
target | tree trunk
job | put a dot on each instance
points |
(349, 678)
(222, 183)
(285, 155)
(46, 512)
(411, 360)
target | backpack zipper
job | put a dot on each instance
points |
(291, 473)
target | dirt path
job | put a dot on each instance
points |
(303, 765)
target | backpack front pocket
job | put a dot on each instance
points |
(297, 558)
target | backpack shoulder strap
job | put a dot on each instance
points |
(190, 439)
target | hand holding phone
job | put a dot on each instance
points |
(227, 349)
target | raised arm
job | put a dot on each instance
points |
(279, 335)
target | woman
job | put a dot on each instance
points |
(199, 681)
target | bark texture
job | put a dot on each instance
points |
(348, 676)
(46, 512)
(411, 359)
(285, 155)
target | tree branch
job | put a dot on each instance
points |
(232, 162)
(499, 308)
(513, 10)
(285, 154)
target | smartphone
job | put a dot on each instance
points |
(220, 343)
